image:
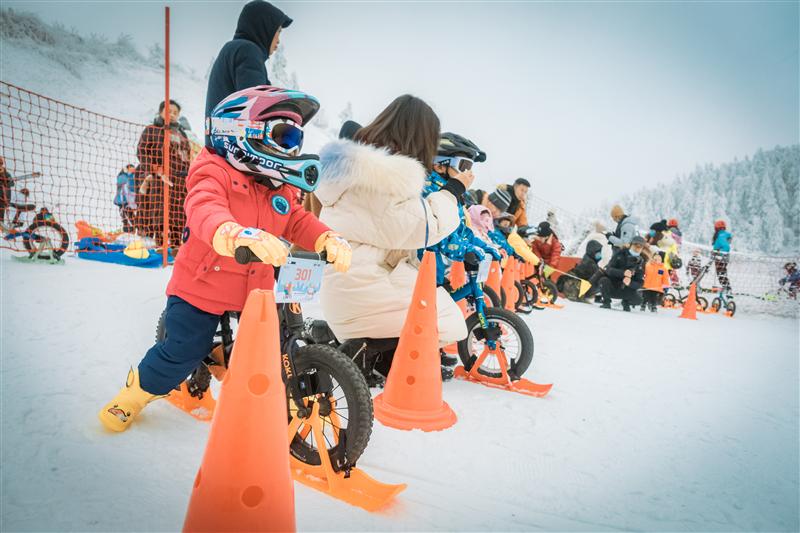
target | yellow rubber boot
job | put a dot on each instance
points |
(118, 414)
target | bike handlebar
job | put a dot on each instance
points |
(245, 255)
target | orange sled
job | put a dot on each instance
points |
(522, 385)
(356, 487)
(200, 408)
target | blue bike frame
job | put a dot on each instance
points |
(472, 292)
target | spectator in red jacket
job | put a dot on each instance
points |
(546, 245)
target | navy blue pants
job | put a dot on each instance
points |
(190, 337)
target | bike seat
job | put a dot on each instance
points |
(23, 207)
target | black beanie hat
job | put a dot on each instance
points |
(544, 229)
(501, 199)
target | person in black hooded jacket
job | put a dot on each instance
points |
(240, 63)
(585, 270)
(624, 276)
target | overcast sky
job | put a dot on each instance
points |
(590, 100)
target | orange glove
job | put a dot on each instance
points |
(338, 250)
(267, 247)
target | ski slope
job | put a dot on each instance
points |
(654, 423)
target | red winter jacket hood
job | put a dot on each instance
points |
(217, 193)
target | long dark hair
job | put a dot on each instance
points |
(407, 126)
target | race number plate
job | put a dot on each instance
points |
(483, 269)
(299, 281)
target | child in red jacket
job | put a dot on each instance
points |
(546, 245)
(238, 194)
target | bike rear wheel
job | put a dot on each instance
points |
(45, 237)
(516, 342)
(329, 377)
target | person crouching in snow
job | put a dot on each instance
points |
(240, 194)
(623, 276)
(586, 270)
(656, 277)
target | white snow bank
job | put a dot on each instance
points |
(654, 423)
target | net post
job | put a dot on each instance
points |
(165, 158)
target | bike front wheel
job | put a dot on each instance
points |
(328, 377)
(515, 342)
(44, 237)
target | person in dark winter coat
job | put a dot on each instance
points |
(585, 270)
(624, 276)
(151, 178)
(6, 184)
(240, 62)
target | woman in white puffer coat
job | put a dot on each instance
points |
(371, 193)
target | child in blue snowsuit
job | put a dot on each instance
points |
(458, 244)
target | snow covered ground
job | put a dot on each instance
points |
(654, 423)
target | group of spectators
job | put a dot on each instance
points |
(636, 267)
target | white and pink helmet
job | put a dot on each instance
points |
(259, 131)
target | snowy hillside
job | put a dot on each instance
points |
(112, 78)
(639, 433)
(758, 197)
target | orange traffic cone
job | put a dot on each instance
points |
(690, 305)
(244, 482)
(412, 398)
(458, 275)
(507, 284)
(493, 281)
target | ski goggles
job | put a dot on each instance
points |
(281, 134)
(284, 135)
(462, 164)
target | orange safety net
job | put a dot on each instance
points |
(92, 174)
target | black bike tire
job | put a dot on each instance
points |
(730, 307)
(493, 296)
(521, 299)
(550, 287)
(161, 328)
(531, 293)
(359, 401)
(702, 303)
(716, 304)
(530, 287)
(522, 363)
(57, 251)
(358, 437)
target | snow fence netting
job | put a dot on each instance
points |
(68, 160)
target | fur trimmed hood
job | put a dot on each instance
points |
(374, 171)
